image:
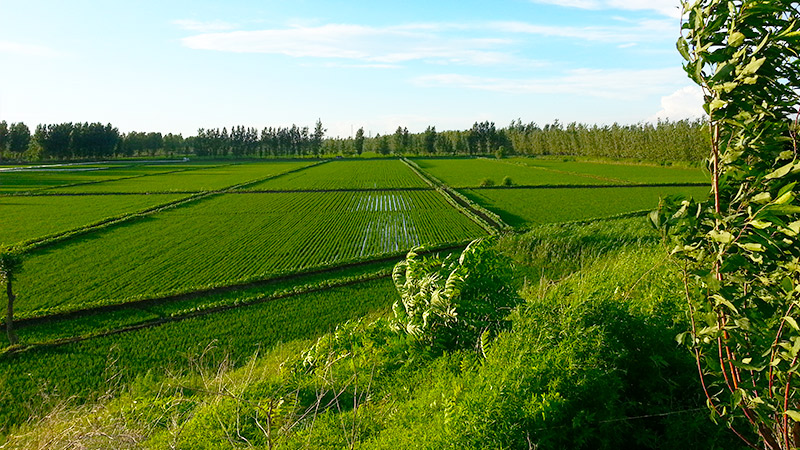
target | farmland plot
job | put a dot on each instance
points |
(520, 207)
(43, 178)
(27, 217)
(195, 180)
(232, 238)
(627, 173)
(366, 174)
(460, 173)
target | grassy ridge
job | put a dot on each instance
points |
(230, 239)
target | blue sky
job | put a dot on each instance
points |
(175, 66)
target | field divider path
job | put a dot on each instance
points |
(109, 222)
(490, 221)
(215, 308)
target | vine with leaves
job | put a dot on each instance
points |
(741, 248)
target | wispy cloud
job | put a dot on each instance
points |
(625, 32)
(386, 45)
(670, 8)
(487, 43)
(605, 83)
(204, 27)
(17, 48)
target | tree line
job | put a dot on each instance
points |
(683, 140)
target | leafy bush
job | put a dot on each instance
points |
(449, 303)
(507, 181)
(487, 182)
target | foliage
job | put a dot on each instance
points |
(741, 247)
(507, 181)
(453, 302)
(487, 182)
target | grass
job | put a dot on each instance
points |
(347, 174)
(86, 369)
(30, 217)
(227, 239)
(525, 207)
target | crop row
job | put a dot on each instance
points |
(227, 239)
(84, 369)
(347, 174)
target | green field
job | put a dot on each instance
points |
(523, 207)
(369, 174)
(258, 244)
(461, 173)
(232, 238)
(626, 173)
(30, 217)
(195, 180)
(38, 179)
(82, 369)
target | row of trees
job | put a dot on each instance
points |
(664, 140)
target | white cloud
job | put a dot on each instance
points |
(604, 83)
(204, 27)
(489, 43)
(17, 48)
(388, 45)
(670, 8)
(684, 103)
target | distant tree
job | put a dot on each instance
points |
(402, 140)
(429, 140)
(19, 136)
(317, 137)
(382, 145)
(173, 143)
(358, 144)
(10, 264)
(54, 140)
(3, 136)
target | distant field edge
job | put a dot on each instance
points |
(585, 186)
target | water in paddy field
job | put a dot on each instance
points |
(390, 231)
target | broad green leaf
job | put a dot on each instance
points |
(792, 414)
(790, 320)
(721, 236)
(753, 66)
(736, 39)
(780, 172)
